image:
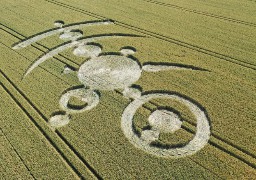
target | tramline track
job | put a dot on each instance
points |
(162, 37)
(201, 13)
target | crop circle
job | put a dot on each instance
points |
(165, 121)
(198, 142)
(86, 95)
(109, 72)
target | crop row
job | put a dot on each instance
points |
(206, 40)
(47, 109)
(45, 100)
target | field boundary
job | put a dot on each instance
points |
(162, 37)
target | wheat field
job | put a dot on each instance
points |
(137, 89)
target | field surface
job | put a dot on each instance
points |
(183, 72)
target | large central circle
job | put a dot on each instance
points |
(109, 72)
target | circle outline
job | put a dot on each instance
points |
(197, 143)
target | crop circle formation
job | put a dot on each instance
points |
(158, 120)
(109, 72)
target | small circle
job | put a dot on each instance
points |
(126, 51)
(131, 92)
(165, 121)
(109, 72)
(59, 120)
(87, 51)
(59, 23)
(71, 35)
(86, 95)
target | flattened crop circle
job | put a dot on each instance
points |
(198, 142)
(109, 72)
(86, 95)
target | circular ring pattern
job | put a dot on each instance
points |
(86, 95)
(198, 142)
